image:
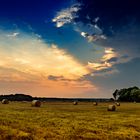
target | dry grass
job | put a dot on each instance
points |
(63, 121)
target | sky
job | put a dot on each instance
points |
(69, 48)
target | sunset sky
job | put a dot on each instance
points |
(69, 48)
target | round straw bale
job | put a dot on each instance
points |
(24, 101)
(95, 103)
(75, 103)
(111, 108)
(36, 103)
(5, 101)
(135, 102)
(117, 104)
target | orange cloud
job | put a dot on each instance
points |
(33, 56)
(109, 53)
(27, 61)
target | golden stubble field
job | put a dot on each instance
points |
(65, 121)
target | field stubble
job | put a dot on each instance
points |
(64, 121)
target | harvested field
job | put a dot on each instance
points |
(63, 121)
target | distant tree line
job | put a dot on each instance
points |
(126, 94)
(16, 97)
(23, 97)
(131, 94)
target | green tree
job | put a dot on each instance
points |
(115, 94)
(127, 94)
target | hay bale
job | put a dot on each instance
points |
(95, 103)
(75, 103)
(135, 102)
(5, 101)
(36, 103)
(117, 104)
(111, 108)
(24, 101)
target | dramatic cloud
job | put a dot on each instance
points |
(104, 61)
(92, 32)
(92, 38)
(69, 15)
(106, 64)
(90, 28)
(66, 16)
(96, 23)
(28, 59)
(31, 55)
